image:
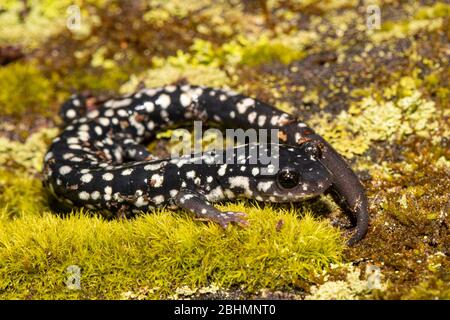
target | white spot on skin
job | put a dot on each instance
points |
(239, 181)
(109, 113)
(163, 100)
(73, 140)
(252, 116)
(86, 178)
(255, 171)
(122, 113)
(209, 179)
(243, 105)
(157, 180)
(71, 114)
(150, 92)
(222, 97)
(95, 195)
(65, 170)
(185, 99)
(140, 202)
(232, 114)
(158, 199)
(93, 114)
(108, 176)
(108, 192)
(261, 120)
(127, 172)
(154, 166)
(270, 169)
(229, 194)
(197, 92)
(83, 127)
(68, 156)
(264, 186)
(222, 169)
(104, 121)
(149, 106)
(83, 195)
(173, 193)
(185, 87)
(48, 156)
(190, 174)
(274, 120)
(215, 195)
(84, 136)
(170, 88)
(118, 103)
(164, 114)
(243, 168)
(98, 130)
(304, 187)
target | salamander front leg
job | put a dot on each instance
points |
(197, 204)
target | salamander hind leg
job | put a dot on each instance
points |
(195, 203)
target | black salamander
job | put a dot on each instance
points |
(100, 161)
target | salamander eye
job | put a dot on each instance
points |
(288, 178)
(313, 149)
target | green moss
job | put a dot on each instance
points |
(161, 250)
(438, 10)
(23, 88)
(265, 50)
(20, 194)
(206, 64)
(95, 79)
(21, 191)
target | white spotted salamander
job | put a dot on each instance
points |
(100, 161)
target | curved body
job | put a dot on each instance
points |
(98, 161)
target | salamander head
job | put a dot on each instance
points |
(296, 174)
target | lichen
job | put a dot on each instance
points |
(352, 288)
(398, 113)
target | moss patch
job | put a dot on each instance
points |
(162, 251)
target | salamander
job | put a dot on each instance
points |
(100, 160)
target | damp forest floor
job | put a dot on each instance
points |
(375, 86)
